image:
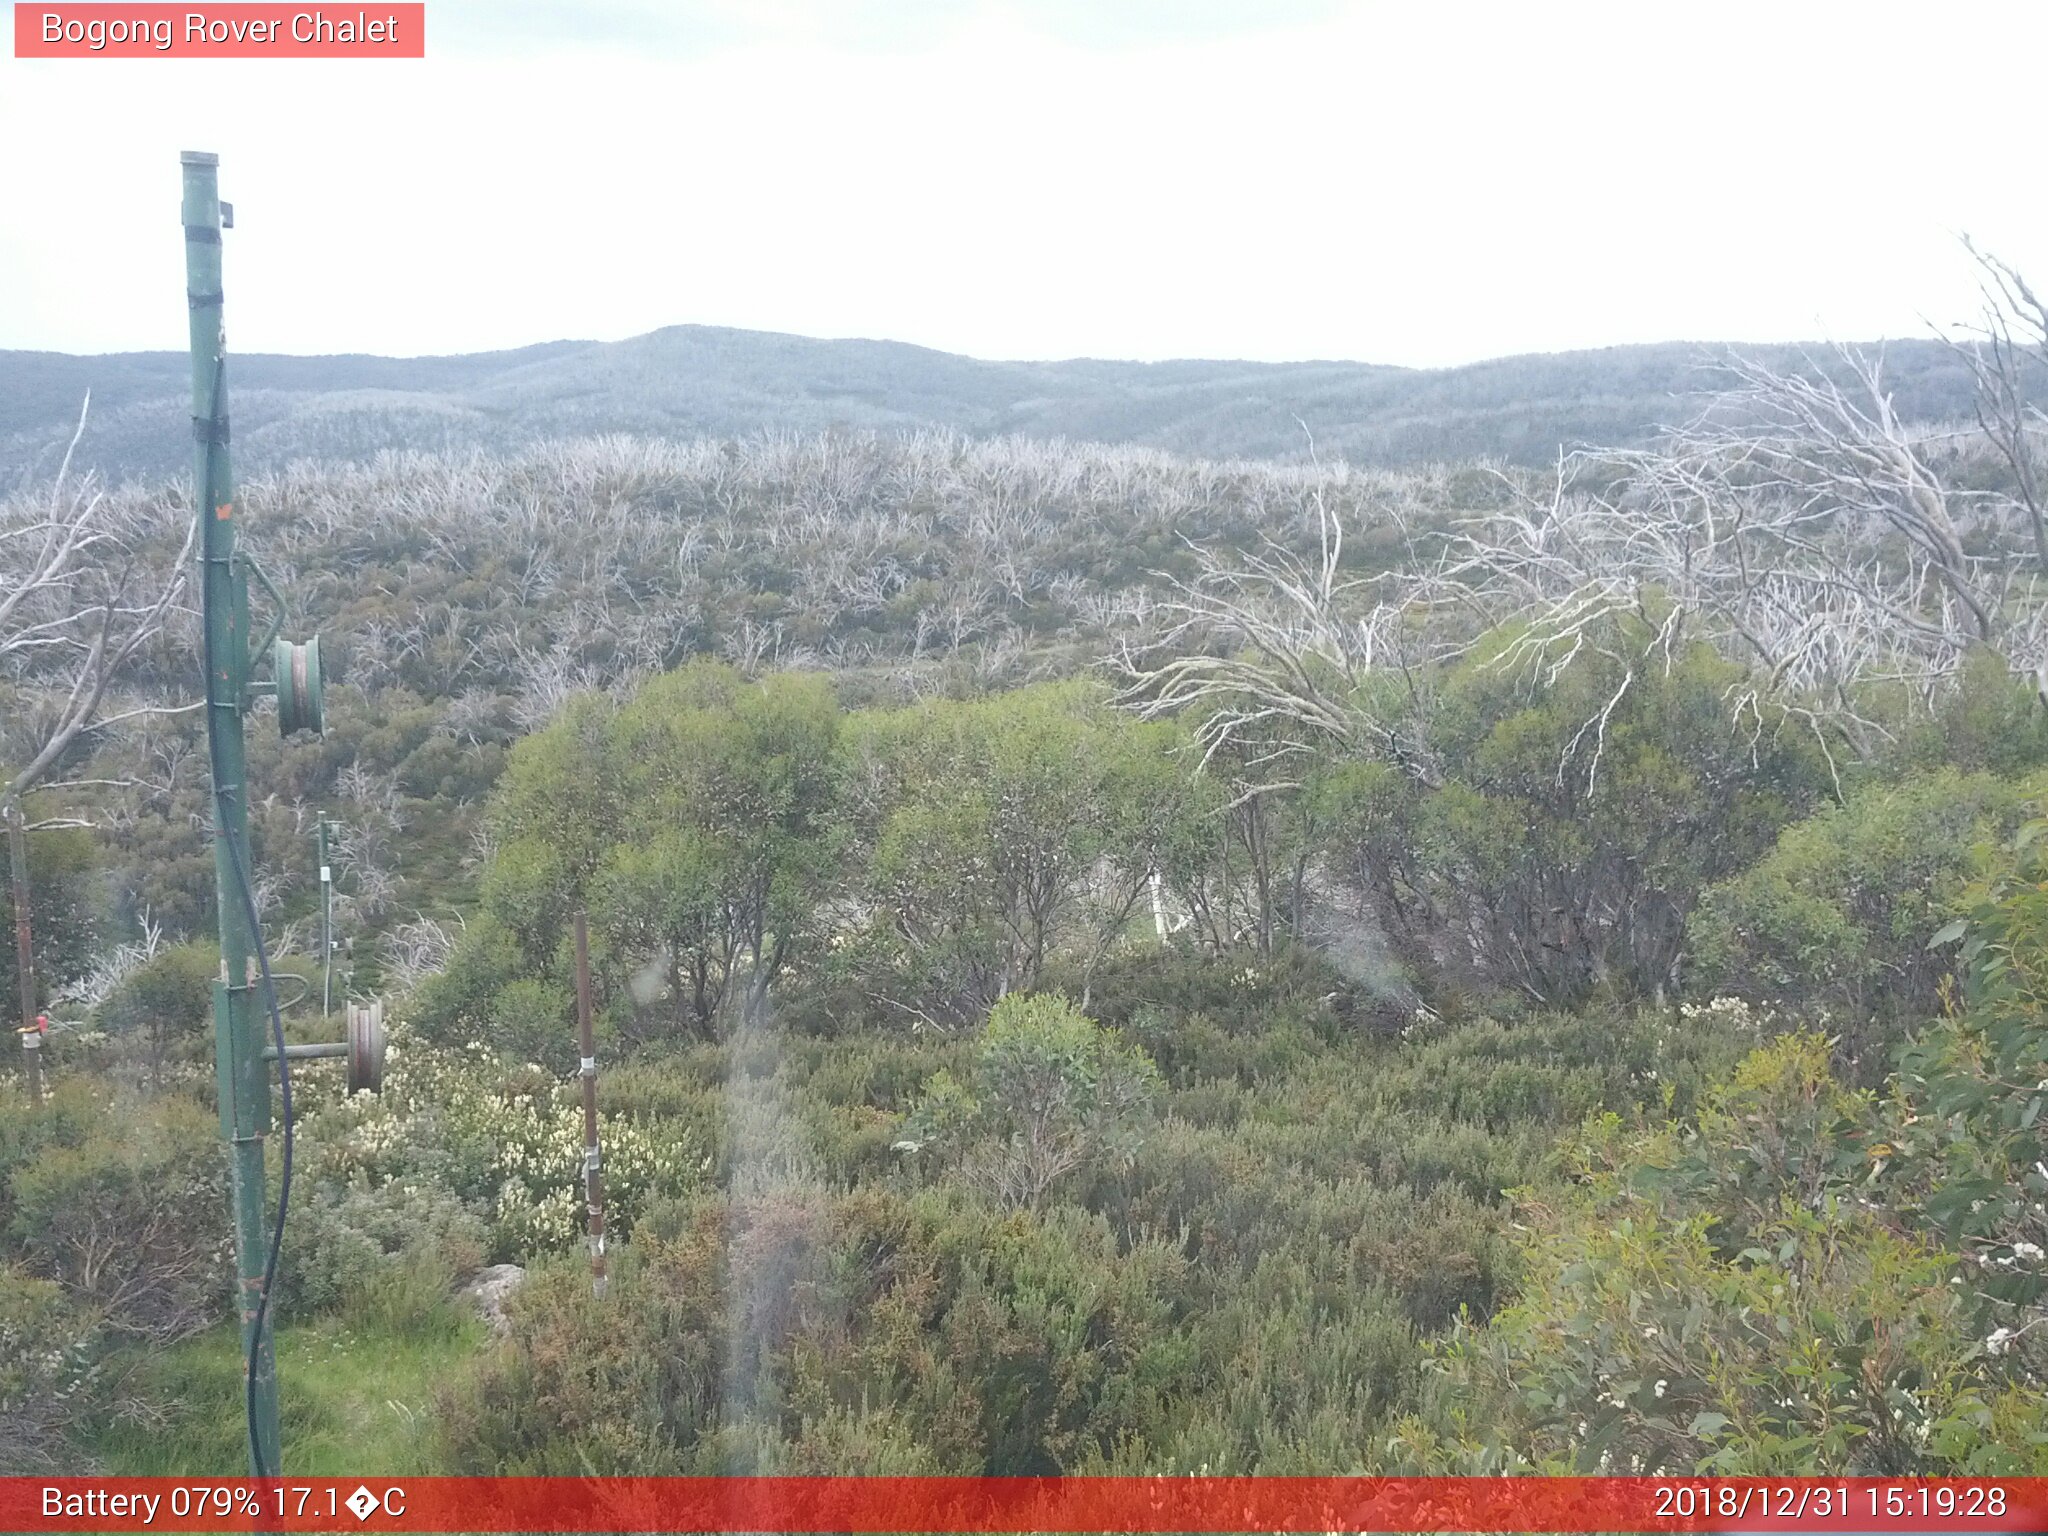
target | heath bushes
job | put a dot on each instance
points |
(505, 1140)
(1837, 916)
(126, 1211)
(166, 1006)
(1576, 821)
(1731, 1297)
(353, 1246)
(1050, 1094)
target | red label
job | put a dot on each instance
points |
(241, 31)
(1018, 1504)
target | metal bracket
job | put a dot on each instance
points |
(277, 606)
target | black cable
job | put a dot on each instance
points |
(247, 890)
(284, 1189)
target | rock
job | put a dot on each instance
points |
(489, 1291)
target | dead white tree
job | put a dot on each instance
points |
(112, 967)
(1798, 524)
(1268, 653)
(415, 950)
(80, 597)
(2007, 356)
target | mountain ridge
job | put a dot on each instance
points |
(694, 380)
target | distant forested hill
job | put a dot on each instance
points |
(691, 380)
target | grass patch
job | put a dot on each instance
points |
(353, 1402)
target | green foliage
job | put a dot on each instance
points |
(461, 1150)
(1051, 1094)
(50, 1357)
(1246, 1290)
(732, 840)
(556, 814)
(123, 1203)
(861, 1324)
(1729, 1298)
(1577, 821)
(1990, 722)
(719, 829)
(65, 909)
(383, 1256)
(1005, 829)
(1223, 1227)
(167, 1002)
(461, 1001)
(1838, 914)
(696, 823)
(1967, 1133)
(72, 1111)
(1220, 1229)
(1809, 1279)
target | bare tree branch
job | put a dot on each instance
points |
(71, 619)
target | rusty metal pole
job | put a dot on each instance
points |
(24, 948)
(593, 1175)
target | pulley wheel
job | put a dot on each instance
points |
(299, 689)
(365, 1047)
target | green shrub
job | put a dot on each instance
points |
(458, 1004)
(65, 903)
(167, 1004)
(1837, 916)
(1051, 1093)
(50, 1358)
(132, 1218)
(745, 1340)
(1579, 816)
(593, 1388)
(1730, 1299)
(1964, 1146)
(72, 1111)
(1990, 722)
(385, 1251)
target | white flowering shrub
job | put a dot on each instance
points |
(506, 1139)
(1730, 1013)
(49, 1353)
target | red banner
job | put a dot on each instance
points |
(1136, 1504)
(100, 31)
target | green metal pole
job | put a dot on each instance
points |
(243, 1075)
(326, 927)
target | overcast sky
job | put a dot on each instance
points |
(1415, 182)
